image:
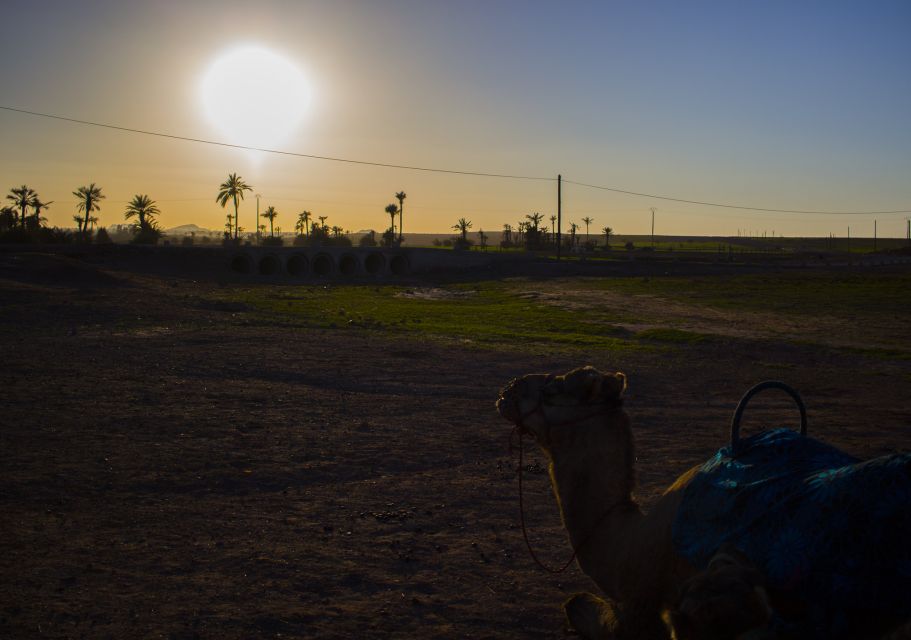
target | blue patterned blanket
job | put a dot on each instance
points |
(831, 533)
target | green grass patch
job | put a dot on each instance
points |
(487, 314)
(804, 293)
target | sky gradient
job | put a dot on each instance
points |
(788, 105)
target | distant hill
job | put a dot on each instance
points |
(186, 229)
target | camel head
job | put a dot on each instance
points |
(553, 408)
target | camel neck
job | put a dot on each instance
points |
(594, 492)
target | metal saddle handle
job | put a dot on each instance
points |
(742, 405)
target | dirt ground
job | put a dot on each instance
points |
(173, 468)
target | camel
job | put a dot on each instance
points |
(653, 589)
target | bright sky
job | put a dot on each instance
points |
(786, 105)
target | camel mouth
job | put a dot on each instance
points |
(508, 402)
(508, 408)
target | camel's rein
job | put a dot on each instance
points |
(521, 429)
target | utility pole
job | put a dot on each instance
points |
(653, 225)
(559, 214)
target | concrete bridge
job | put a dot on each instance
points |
(308, 263)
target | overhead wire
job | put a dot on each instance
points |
(734, 206)
(437, 169)
(295, 154)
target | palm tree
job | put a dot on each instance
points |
(607, 231)
(88, 202)
(573, 227)
(507, 234)
(587, 222)
(401, 197)
(553, 227)
(303, 219)
(336, 231)
(534, 219)
(78, 221)
(22, 197)
(93, 221)
(391, 209)
(322, 220)
(231, 189)
(143, 208)
(463, 226)
(270, 215)
(38, 205)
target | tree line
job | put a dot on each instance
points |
(22, 220)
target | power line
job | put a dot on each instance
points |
(274, 151)
(434, 169)
(734, 206)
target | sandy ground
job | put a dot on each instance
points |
(174, 468)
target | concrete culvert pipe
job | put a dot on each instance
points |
(347, 265)
(375, 263)
(399, 265)
(322, 265)
(241, 263)
(298, 265)
(269, 265)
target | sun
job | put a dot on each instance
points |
(254, 96)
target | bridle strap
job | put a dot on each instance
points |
(521, 429)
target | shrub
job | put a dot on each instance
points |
(273, 241)
(102, 237)
(148, 235)
(368, 239)
(461, 244)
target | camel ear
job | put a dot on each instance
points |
(613, 385)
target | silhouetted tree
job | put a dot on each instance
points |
(8, 218)
(401, 197)
(553, 228)
(270, 214)
(144, 210)
(533, 220)
(391, 209)
(532, 233)
(368, 239)
(573, 227)
(22, 197)
(303, 219)
(607, 233)
(462, 226)
(507, 235)
(587, 222)
(482, 237)
(89, 198)
(37, 219)
(232, 189)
